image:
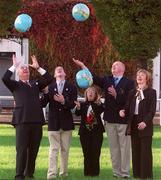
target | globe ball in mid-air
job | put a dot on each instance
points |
(23, 22)
(80, 12)
(84, 78)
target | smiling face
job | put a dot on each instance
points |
(143, 78)
(118, 68)
(23, 72)
(59, 73)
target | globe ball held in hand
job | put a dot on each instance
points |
(80, 12)
(84, 78)
(23, 22)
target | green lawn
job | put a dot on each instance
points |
(7, 156)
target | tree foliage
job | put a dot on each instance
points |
(8, 11)
(57, 37)
(133, 26)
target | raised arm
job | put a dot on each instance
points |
(79, 63)
(99, 81)
(47, 78)
(11, 84)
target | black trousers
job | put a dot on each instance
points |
(28, 138)
(91, 142)
(142, 157)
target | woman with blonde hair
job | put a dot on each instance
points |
(140, 110)
(91, 130)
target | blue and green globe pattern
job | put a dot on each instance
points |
(84, 78)
(80, 12)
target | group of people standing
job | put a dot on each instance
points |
(128, 109)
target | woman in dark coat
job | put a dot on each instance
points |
(91, 130)
(140, 110)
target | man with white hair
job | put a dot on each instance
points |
(116, 88)
(28, 115)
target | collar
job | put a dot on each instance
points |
(63, 81)
(25, 81)
(119, 77)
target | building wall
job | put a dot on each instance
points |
(20, 48)
(156, 75)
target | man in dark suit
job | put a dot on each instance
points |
(27, 114)
(116, 88)
(61, 96)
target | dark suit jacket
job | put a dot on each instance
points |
(112, 105)
(60, 116)
(146, 111)
(27, 108)
(97, 109)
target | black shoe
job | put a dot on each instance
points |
(30, 177)
(126, 177)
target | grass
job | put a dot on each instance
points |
(7, 156)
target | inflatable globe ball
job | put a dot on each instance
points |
(80, 12)
(23, 22)
(84, 78)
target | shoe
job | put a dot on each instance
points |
(115, 176)
(126, 177)
(63, 174)
(51, 178)
(30, 177)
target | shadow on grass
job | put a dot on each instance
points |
(74, 174)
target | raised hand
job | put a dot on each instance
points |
(79, 63)
(98, 100)
(35, 63)
(77, 103)
(112, 91)
(16, 62)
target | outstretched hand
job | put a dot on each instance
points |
(35, 63)
(16, 62)
(79, 63)
(77, 103)
(98, 100)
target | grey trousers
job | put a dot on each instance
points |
(120, 148)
